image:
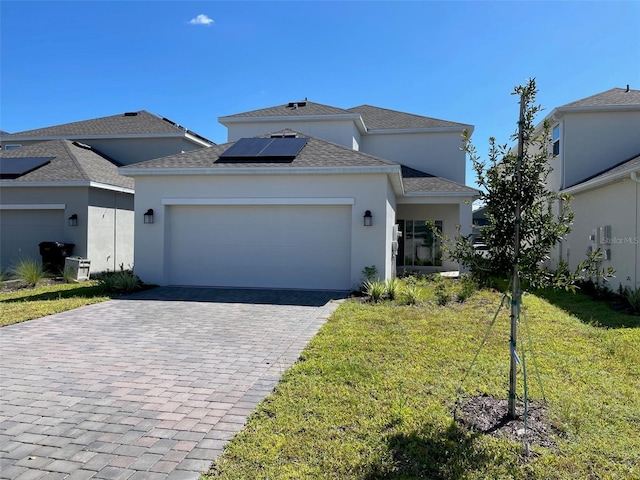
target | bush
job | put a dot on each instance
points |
(119, 282)
(410, 293)
(467, 288)
(375, 289)
(392, 288)
(29, 271)
(633, 297)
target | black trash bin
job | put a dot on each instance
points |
(53, 255)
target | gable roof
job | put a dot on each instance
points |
(71, 162)
(376, 118)
(140, 123)
(615, 96)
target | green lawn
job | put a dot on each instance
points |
(373, 394)
(30, 303)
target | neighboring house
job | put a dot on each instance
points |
(82, 179)
(308, 206)
(596, 143)
(129, 137)
(65, 191)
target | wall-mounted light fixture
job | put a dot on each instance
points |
(148, 216)
(368, 218)
(73, 220)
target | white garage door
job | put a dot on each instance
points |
(21, 231)
(306, 247)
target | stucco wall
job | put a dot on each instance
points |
(617, 205)
(596, 141)
(436, 153)
(342, 132)
(370, 192)
(110, 230)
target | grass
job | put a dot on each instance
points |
(26, 304)
(373, 394)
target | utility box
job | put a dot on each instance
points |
(53, 255)
(77, 268)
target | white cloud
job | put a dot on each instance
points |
(201, 19)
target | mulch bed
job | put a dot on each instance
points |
(488, 415)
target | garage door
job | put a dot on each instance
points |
(306, 247)
(21, 231)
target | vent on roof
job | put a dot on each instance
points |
(82, 145)
(130, 114)
(284, 135)
(295, 105)
(264, 149)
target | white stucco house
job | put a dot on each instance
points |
(304, 195)
(48, 175)
(596, 159)
(65, 191)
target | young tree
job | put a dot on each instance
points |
(514, 184)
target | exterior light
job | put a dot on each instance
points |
(148, 216)
(73, 220)
(368, 218)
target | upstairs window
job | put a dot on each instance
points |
(556, 140)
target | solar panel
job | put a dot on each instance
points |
(265, 148)
(246, 147)
(284, 147)
(16, 167)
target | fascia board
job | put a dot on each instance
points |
(131, 171)
(436, 198)
(392, 131)
(79, 183)
(197, 140)
(600, 181)
(445, 193)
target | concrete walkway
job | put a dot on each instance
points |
(147, 387)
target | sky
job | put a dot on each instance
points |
(194, 61)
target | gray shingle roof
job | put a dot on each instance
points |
(304, 108)
(615, 96)
(130, 123)
(316, 153)
(416, 181)
(72, 162)
(376, 118)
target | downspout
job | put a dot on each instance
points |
(115, 229)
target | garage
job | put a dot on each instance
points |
(22, 231)
(259, 246)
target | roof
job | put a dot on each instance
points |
(613, 97)
(376, 118)
(72, 161)
(293, 109)
(128, 123)
(316, 153)
(416, 181)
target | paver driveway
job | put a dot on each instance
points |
(147, 387)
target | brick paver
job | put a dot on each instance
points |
(150, 386)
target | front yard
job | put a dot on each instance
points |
(373, 396)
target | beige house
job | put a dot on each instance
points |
(596, 148)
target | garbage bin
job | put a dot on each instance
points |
(77, 267)
(53, 255)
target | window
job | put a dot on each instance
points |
(556, 140)
(421, 247)
(11, 147)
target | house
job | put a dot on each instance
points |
(128, 137)
(304, 195)
(65, 191)
(80, 178)
(595, 159)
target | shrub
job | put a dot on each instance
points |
(633, 297)
(392, 288)
(29, 271)
(442, 293)
(119, 282)
(410, 293)
(467, 288)
(370, 273)
(375, 289)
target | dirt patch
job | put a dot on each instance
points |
(488, 415)
(16, 285)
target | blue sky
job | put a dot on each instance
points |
(459, 61)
